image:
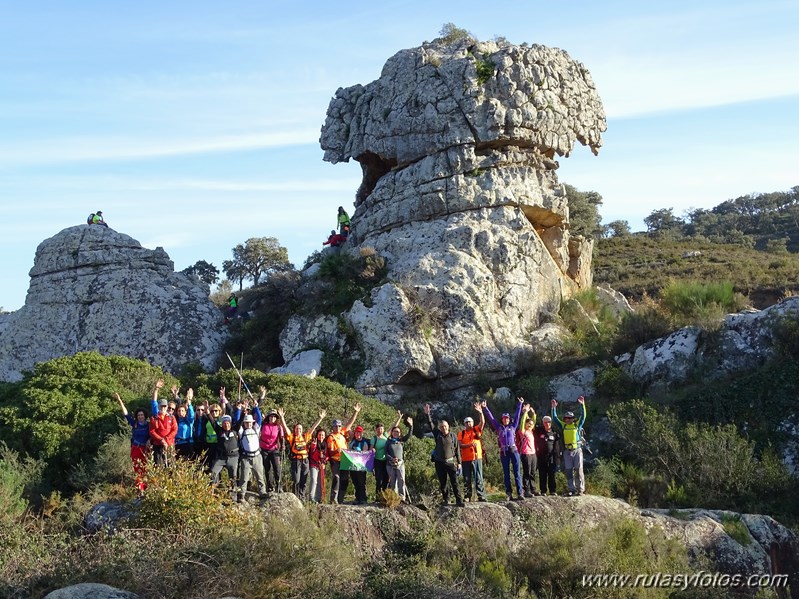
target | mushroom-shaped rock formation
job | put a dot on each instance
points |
(457, 142)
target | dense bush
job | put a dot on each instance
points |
(701, 304)
(63, 410)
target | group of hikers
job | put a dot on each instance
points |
(237, 437)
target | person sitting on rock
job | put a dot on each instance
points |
(572, 442)
(447, 459)
(547, 449)
(343, 221)
(526, 443)
(509, 453)
(395, 458)
(471, 445)
(96, 218)
(298, 451)
(337, 440)
(335, 240)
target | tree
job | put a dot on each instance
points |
(618, 228)
(258, 256)
(663, 221)
(584, 218)
(205, 271)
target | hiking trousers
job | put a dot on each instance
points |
(528, 473)
(335, 482)
(249, 465)
(381, 476)
(396, 480)
(316, 477)
(272, 464)
(229, 463)
(299, 477)
(448, 473)
(547, 467)
(510, 458)
(473, 479)
(573, 464)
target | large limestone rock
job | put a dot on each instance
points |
(90, 590)
(93, 288)
(459, 195)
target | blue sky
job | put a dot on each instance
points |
(195, 125)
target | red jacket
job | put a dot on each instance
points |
(163, 429)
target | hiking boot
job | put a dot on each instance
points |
(519, 498)
(482, 499)
(508, 497)
(460, 504)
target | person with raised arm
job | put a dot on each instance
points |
(395, 457)
(572, 428)
(447, 459)
(336, 441)
(471, 446)
(526, 443)
(508, 452)
(298, 451)
(163, 428)
(139, 442)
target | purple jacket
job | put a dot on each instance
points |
(506, 434)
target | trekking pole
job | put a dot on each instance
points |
(241, 367)
(241, 378)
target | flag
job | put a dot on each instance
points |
(357, 461)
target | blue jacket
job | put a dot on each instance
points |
(186, 427)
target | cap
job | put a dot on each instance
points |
(336, 423)
(271, 412)
(227, 418)
(99, 212)
(569, 415)
(248, 418)
(468, 419)
(505, 415)
(162, 402)
(546, 419)
(358, 429)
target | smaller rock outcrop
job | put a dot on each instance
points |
(93, 288)
(90, 590)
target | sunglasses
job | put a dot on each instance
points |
(214, 411)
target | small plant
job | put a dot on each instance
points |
(389, 499)
(450, 34)
(485, 70)
(736, 529)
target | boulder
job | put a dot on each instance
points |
(93, 288)
(90, 590)
(459, 195)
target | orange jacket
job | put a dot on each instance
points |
(335, 443)
(467, 437)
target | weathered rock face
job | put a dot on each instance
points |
(95, 289)
(459, 195)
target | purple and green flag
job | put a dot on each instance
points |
(357, 461)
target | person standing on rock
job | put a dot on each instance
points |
(336, 442)
(271, 447)
(250, 460)
(317, 459)
(548, 448)
(298, 451)
(395, 458)
(140, 440)
(360, 444)
(227, 451)
(572, 442)
(343, 222)
(509, 453)
(163, 429)
(378, 442)
(471, 446)
(184, 440)
(447, 459)
(526, 438)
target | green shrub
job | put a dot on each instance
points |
(111, 464)
(736, 529)
(701, 304)
(647, 323)
(179, 498)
